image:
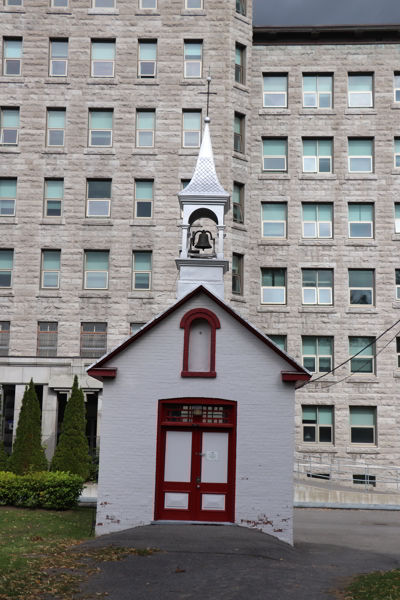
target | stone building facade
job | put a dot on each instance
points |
(225, 31)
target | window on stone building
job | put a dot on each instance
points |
(398, 351)
(317, 156)
(147, 59)
(362, 425)
(96, 269)
(317, 286)
(361, 220)
(147, 3)
(101, 128)
(317, 352)
(58, 58)
(361, 286)
(93, 340)
(274, 220)
(56, 122)
(104, 3)
(317, 424)
(59, 3)
(142, 267)
(53, 197)
(360, 155)
(275, 154)
(98, 198)
(360, 90)
(279, 340)
(237, 273)
(240, 62)
(145, 128)
(397, 218)
(238, 202)
(396, 153)
(136, 326)
(238, 132)
(193, 59)
(47, 339)
(397, 284)
(6, 268)
(144, 195)
(317, 91)
(241, 7)
(397, 87)
(103, 58)
(275, 90)
(273, 286)
(51, 266)
(4, 337)
(13, 2)
(191, 128)
(317, 220)
(12, 56)
(362, 354)
(8, 196)
(194, 4)
(9, 126)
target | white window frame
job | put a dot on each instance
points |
(318, 222)
(5, 59)
(396, 221)
(317, 159)
(2, 143)
(317, 289)
(138, 131)
(151, 202)
(184, 131)
(371, 105)
(370, 237)
(108, 130)
(188, 8)
(274, 287)
(14, 200)
(274, 105)
(396, 89)
(358, 156)
(395, 166)
(52, 60)
(367, 358)
(284, 156)
(186, 61)
(317, 356)
(397, 286)
(146, 7)
(147, 76)
(44, 271)
(104, 7)
(317, 92)
(280, 237)
(135, 289)
(88, 271)
(89, 200)
(46, 199)
(49, 110)
(54, 5)
(397, 352)
(102, 60)
(373, 427)
(317, 426)
(8, 287)
(7, 3)
(367, 289)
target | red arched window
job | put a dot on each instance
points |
(200, 326)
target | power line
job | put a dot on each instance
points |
(351, 357)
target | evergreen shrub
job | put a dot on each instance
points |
(3, 457)
(57, 491)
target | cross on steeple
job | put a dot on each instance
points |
(208, 90)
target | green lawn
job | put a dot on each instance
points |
(375, 586)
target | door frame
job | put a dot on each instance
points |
(197, 424)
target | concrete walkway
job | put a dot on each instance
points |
(234, 563)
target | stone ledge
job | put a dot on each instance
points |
(8, 79)
(396, 237)
(94, 294)
(99, 151)
(193, 12)
(317, 243)
(361, 176)
(329, 310)
(103, 11)
(142, 223)
(361, 243)
(8, 221)
(99, 221)
(239, 226)
(395, 171)
(360, 379)
(396, 374)
(50, 221)
(395, 106)
(240, 156)
(102, 81)
(317, 112)
(318, 177)
(53, 151)
(4, 294)
(57, 10)
(188, 81)
(188, 152)
(10, 150)
(145, 295)
(57, 80)
(241, 87)
(145, 81)
(396, 305)
(242, 18)
(317, 449)
(274, 111)
(144, 151)
(360, 111)
(151, 12)
(361, 311)
(238, 299)
(362, 450)
(274, 176)
(48, 294)
(277, 309)
(273, 243)
(12, 9)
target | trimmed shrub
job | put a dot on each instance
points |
(3, 457)
(58, 491)
(28, 454)
(72, 452)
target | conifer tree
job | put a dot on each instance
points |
(3, 457)
(28, 454)
(72, 452)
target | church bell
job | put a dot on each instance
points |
(203, 241)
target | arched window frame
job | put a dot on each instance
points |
(186, 322)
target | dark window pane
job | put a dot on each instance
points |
(143, 209)
(361, 297)
(362, 435)
(309, 434)
(99, 189)
(325, 435)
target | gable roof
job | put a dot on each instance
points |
(99, 370)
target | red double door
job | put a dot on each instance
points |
(195, 478)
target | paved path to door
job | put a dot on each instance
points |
(234, 563)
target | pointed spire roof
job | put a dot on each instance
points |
(205, 181)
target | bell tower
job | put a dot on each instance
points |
(202, 256)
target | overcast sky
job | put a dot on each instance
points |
(276, 13)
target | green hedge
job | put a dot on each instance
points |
(40, 490)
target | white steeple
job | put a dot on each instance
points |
(203, 198)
